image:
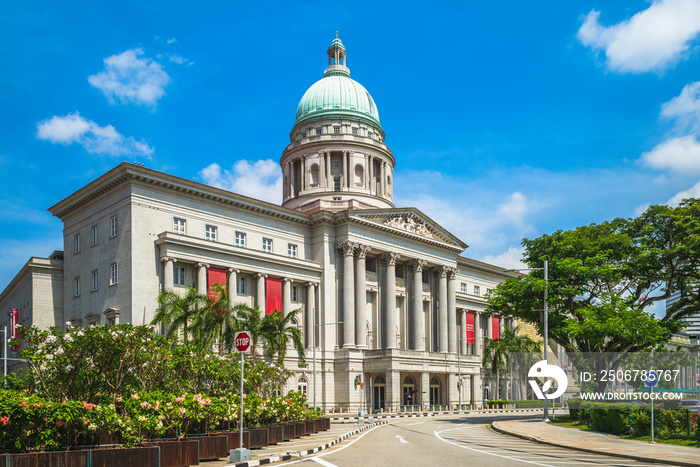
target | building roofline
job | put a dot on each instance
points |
(486, 267)
(127, 173)
(34, 263)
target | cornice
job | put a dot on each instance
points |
(486, 267)
(135, 175)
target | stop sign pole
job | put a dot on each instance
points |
(241, 343)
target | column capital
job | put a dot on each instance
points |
(417, 264)
(362, 251)
(347, 247)
(441, 271)
(202, 265)
(287, 279)
(236, 270)
(165, 259)
(311, 284)
(390, 258)
(260, 275)
(452, 273)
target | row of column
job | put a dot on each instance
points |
(354, 301)
(326, 176)
(231, 285)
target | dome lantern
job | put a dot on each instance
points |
(337, 59)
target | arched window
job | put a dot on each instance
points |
(359, 175)
(302, 385)
(314, 175)
(379, 380)
(434, 391)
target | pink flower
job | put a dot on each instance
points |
(144, 404)
(4, 420)
(182, 411)
(135, 396)
(85, 421)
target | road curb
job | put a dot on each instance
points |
(353, 419)
(295, 454)
(590, 451)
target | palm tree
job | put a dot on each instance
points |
(217, 320)
(247, 319)
(279, 331)
(497, 352)
(177, 311)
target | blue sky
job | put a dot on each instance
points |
(507, 119)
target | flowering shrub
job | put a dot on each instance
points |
(128, 380)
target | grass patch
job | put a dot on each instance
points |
(565, 420)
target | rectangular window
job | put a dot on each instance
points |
(463, 287)
(95, 236)
(77, 286)
(369, 134)
(354, 130)
(295, 294)
(179, 225)
(113, 274)
(77, 243)
(113, 226)
(336, 130)
(487, 291)
(240, 239)
(303, 135)
(318, 131)
(240, 286)
(477, 290)
(267, 245)
(179, 275)
(95, 283)
(211, 233)
(292, 250)
(336, 184)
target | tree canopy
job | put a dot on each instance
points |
(603, 279)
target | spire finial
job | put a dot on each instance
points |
(336, 34)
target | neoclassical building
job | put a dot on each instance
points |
(385, 293)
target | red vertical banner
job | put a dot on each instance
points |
(495, 327)
(273, 295)
(15, 322)
(470, 327)
(216, 276)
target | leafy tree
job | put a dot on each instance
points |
(217, 321)
(280, 331)
(603, 279)
(176, 311)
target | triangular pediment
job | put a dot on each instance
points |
(407, 222)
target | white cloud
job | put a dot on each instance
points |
(677, 154)
(515, 209)
(180, 60)
(510, 259)
(172, 40)
(131, 79)
(685, 108)
(692, 192)
(652, 40)
(261, 179)
(96, 139)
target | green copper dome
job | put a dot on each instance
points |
(337, 95)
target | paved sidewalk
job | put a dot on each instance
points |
(599, 443)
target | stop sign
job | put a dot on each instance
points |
(241, 341)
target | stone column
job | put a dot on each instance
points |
(365, 181)
(393, 390)
(327, 158)
(452, 310)
(345, 169)
(443, 346)
(370, 172)
(232, 284)
(202, 278)
(321, 171)
(260, 294)
(286, 296)
(168, 272)
(302, 179)
(478, 340)
(489, 327)
(417, 310)
(382, 182)
(348, 250)
(309, 313)
(361, 298)
(350, 171)
(463, 334)
(291, 179)
(425, 390)
(390, 298)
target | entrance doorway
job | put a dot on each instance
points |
(379, 393)
(434, 391)
(409, 391)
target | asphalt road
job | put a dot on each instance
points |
(447, 441)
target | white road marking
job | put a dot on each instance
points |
(481, 451)
(402, 439)
(322, 462)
